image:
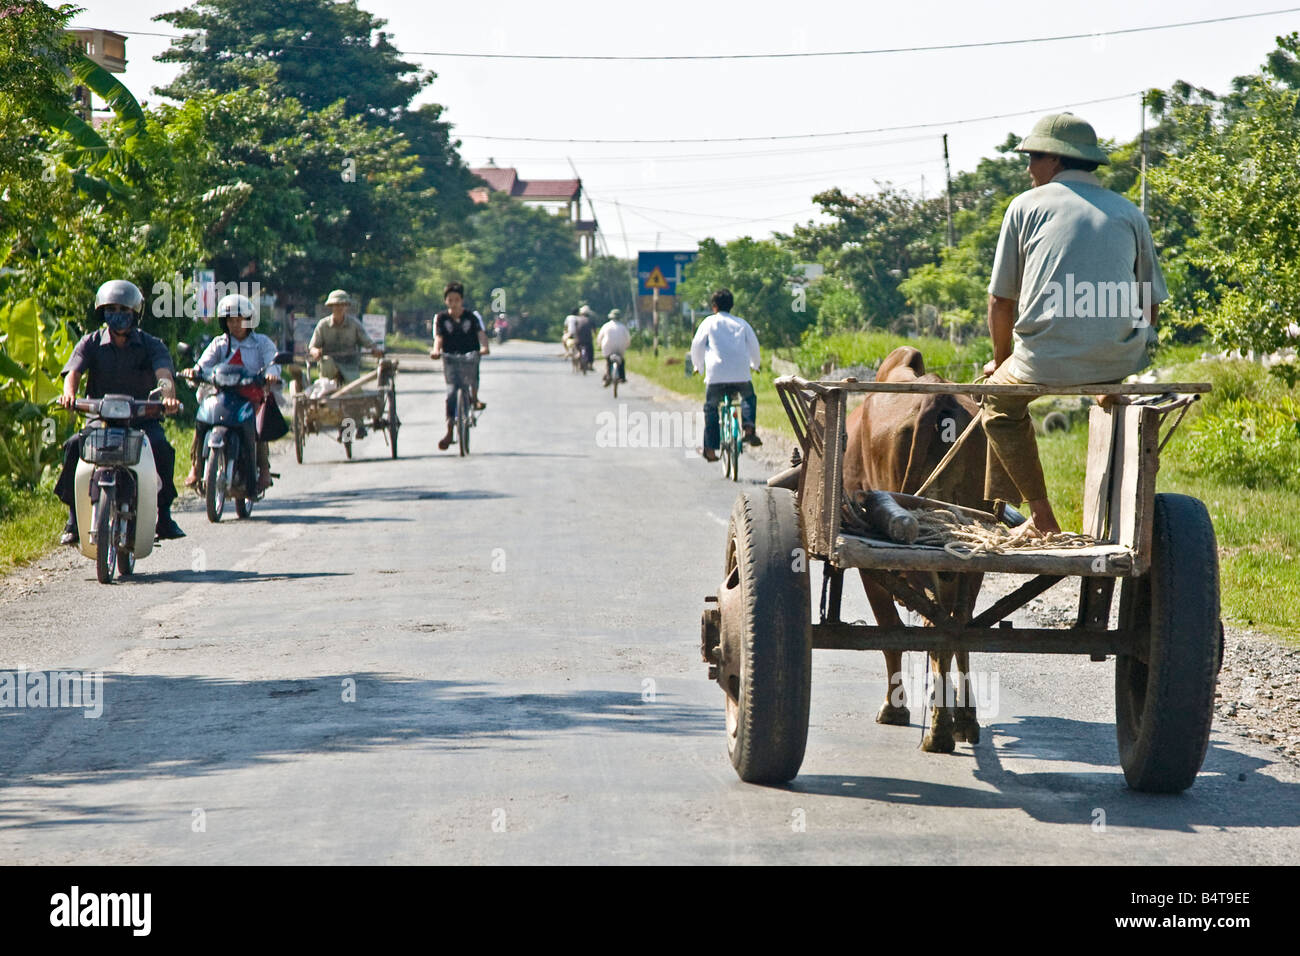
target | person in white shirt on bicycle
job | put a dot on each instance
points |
(725, 349)
(614, 340)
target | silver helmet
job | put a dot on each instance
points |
(123, 294)
(120, 292)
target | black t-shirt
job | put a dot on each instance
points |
(459, 334)
(119, 371)
(582, 330)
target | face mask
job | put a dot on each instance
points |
(120, 321)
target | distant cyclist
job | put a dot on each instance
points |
(725, 349)
(582, 334)
(614, 340)
(458, 331)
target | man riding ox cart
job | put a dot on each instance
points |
(1073, 301)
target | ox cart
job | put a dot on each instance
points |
(758, 632)
(347, 412)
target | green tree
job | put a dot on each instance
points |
(1241, 179)
(762, 276)
(872, 243)
(318, 52)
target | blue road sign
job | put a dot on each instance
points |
(661, 270)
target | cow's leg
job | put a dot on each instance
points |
(965, 725)
(939, 738)
(894, 709)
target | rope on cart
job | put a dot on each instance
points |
(964, 536)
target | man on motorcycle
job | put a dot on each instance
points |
(338, 341)
(120, 359)
(614, 340)
(238, 345)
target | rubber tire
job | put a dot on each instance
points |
(617, 371)
(347, 449)
(462, 421)
(214, 473)
(390, 412)
(299, 427)
(1164, 708)
(243, 507)
(126, 559)
(105, 536)
(775, 689)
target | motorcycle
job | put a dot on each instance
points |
(228, 460)
(501, 329)
(116, 483)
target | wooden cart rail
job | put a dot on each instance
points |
(959, 388)
(1123, 456)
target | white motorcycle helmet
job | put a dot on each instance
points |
(238, 307)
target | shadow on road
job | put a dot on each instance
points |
(220, 576)
(157, 727)
(1230, 791)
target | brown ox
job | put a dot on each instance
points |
(895, 440)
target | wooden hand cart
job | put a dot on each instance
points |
(349, 411)
(758, 633)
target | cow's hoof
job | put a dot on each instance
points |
(939, 739)
(897, 716)
(965, 727)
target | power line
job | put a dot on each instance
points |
(982, 44)
(789, 136)
(728, 155)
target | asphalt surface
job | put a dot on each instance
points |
(495, 660)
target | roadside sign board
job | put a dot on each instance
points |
(303, 327)
(375, 325)
(661, 271)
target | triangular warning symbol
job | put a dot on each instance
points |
(656, 279)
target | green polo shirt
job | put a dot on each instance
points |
(1079, 260)
(343, 343)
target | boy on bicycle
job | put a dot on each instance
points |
(458, 331)
(725, 348)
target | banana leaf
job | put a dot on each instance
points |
(10, 368)
(113, 92)
(20, 320)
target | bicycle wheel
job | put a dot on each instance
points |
(462, 420)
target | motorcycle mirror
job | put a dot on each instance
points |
(283, 358)
(183, 350)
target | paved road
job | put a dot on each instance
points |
(496, 660)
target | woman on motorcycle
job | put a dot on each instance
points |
(238, 345)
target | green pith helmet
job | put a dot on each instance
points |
(1064, 134)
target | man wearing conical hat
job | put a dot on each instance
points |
(1073, 298)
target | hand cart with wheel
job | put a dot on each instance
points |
(758, 633)
(349, 412)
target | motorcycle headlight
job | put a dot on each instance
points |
(228, 375)
(115, 408)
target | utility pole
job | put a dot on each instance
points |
(627, 251)
(947, 175)
(1143, 203)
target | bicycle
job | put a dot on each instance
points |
(466, 417)
(731, 431)
(615, 372)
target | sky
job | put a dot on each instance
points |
(667, 196)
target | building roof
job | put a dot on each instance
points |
(506, 180)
